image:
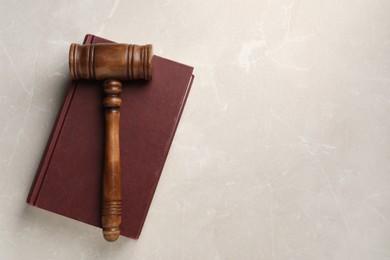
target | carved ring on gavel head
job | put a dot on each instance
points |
(111, 62)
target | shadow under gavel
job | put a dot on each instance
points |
(111, 62)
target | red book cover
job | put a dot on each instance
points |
(68, 180)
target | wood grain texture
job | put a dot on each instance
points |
(110, 61)
(111, 197)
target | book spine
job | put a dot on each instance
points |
(52, 141)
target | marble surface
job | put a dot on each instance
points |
(283, 151)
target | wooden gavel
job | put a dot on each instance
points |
(111, 62)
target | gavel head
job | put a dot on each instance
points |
(110, 61)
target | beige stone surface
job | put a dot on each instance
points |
(283, 150)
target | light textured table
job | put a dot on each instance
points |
(283, 150)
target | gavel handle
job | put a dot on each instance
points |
(111, 197)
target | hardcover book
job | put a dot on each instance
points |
(69, 179)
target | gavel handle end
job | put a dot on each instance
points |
(111, 220)
(111, 234)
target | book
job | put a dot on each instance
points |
(69, 178)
